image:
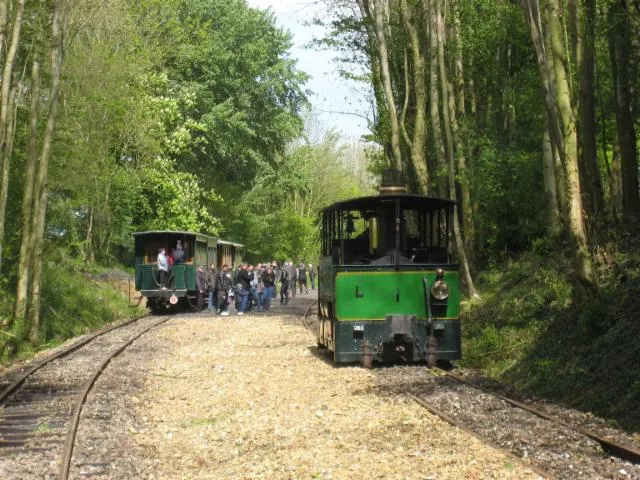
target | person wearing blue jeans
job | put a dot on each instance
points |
(269, 281)
(212, 288)
(255, 287)
(242, 295)
(242, 288)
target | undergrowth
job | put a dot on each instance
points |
(76, 299)
(533, 330)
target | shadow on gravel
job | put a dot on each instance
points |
(579, 350)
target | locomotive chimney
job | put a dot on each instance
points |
(392, 182)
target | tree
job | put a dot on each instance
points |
(6, 127)
(619, 46)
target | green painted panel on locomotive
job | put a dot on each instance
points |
(374, 295)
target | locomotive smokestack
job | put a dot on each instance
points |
(392, 182)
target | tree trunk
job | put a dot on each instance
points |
(544, 57)
(3, 24)
(472, 91)
(419, 139)
(591, 178)
(7, 76)
(27, 241)
(40, 190)
(551, 191)
(383, 55)
(458, 115)
(568, 122)
(616, 178)
(434, 97)
(619, 47)
(440, 40)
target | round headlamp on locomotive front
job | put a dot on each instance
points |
(439, 288)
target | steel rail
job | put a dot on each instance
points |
(73, 428)
(62, 353)
(613, 448)
(453, 422)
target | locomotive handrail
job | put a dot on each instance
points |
(432, 343)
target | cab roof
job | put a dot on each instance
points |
(408, 199)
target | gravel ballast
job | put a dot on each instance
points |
(252, 397)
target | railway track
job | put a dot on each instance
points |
(41, 407)
(612, 447)
(553, 447)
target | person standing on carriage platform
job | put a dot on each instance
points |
(178, 253)
(163, 269)
(212, 288)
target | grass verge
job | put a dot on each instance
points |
(76, 299)
(534, 332)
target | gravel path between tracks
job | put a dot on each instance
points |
(251, 397)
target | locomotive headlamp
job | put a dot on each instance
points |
(440, 290)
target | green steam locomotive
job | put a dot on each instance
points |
(389, 285)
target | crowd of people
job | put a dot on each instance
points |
(251, 288)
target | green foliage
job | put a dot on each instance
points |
(532, 330)
(168, 110)
(173, 200)
(278, 217)
(510, 209)
(74, 302)
(244, 92)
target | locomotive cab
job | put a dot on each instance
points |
(389, 282)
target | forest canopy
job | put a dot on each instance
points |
(120, 116)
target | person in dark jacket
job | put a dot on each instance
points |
(293, 279)
(212, 288)
(284, 285)
(201, 286)
(269, 281)
(242, 288)
(302, 278)
(224, 287)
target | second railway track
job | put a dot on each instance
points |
(41, 407)
(555, 447)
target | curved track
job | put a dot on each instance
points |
(41, 407)
(610, 446)
(550, 444)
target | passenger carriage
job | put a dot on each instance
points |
(389, 286)
(180, 288)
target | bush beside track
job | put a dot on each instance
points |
(533, 330)
(76, 299)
